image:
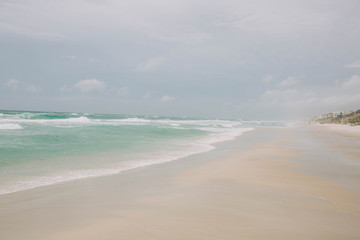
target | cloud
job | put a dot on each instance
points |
(69, 57)
(355, 64)
(151, 64)
(290, 81)
(183, 37)
(159, 20)
(93, 60)
(290, 20)
(267, 78)
(166, 98)
(12, 83)
(42, 35)
(64, 89)
(118, 91)
(147, 95)
(341, 100)
(210, 37)
(309, 101)
(33, 89)
(353, 82)
(23, 86)
(123, 91)
(89, 85)
(336, 102)
(280, 94)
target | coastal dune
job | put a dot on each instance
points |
(272, 183)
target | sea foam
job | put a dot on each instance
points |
(10, 126)
(204, 144)
(53, 148)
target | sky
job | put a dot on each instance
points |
(253, 59)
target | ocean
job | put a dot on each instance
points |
(44, 148)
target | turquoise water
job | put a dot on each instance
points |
(44, 148)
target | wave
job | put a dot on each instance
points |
(48, 121)
(47, 144)
(221, 135)
(204, 144)
(10, 126)
(73, 119)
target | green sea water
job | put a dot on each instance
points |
(43, 148)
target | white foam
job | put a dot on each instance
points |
(52, 179)
(182, 150)
(221, 135)
(79, 120)
(63, 177)
(217, 131)
(25, 118)
(76, 120)
(215, 123)
(10, 126)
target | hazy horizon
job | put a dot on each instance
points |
(260, 60)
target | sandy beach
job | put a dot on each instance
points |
(342, 129)
(179, 120)
(299, 182)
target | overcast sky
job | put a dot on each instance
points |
(250, 59)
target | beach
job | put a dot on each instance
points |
(299, 182)
(179, 120)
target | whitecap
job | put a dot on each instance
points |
(10, 126)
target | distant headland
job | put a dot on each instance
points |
(352, 118)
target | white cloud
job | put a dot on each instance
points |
(23, 86)
(33, 89)
(290, 81)
(147, 95)
(119, 91)
(355, 64)
(12, 83)
(64, 89)
(183, 37)
(280, 94)
(310, 93)
(166, 98)
(340, 100)
(353, 82)
(89, 85)
(123, 91)
(267, 78)
(32, 33)
(289, 20)
(69, 57)
(151, 64)
(314, 101)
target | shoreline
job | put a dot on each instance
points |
(260, 186)
(63, 177)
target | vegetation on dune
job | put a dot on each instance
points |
(351, 117)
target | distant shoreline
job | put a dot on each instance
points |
(351, 117)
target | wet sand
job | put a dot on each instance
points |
(274, 183)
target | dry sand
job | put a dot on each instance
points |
(342, 129)
(262, 192)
